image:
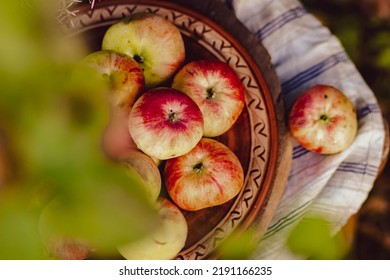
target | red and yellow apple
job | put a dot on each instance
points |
(208, 175)
(165, 242)
(153, 41)
(323, 120)
(165, 123)
(217, 90)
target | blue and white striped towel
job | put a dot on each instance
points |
(305, 53)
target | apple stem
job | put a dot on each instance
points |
(198, 167)
(324, 118)
(210, 93)
(138, 58)
(172, 116)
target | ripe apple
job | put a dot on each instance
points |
(209, 175)
(123, 74)
(217, 90)
(165, 123)
(165, 242)
(153, 41)
(323, 120)
(145, 167)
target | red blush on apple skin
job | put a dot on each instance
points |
(131, 69)
(122, 63)
(171, 108)
(298, 111)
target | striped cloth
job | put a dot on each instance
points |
(305, 53)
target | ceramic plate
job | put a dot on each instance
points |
(255, 136)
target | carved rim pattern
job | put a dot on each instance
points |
(224, 47)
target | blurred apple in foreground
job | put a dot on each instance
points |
(165, 123)
(147, 170)
(209, 175)
(165, 242)
(323, 120)
(153, 41)
(58, 244)
(217, 90)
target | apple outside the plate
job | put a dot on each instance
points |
(153, 41)
(208, 175)
(165, 123)
(217, 90)
(165, 242)
(323, 120)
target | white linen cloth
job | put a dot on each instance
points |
(305, 53)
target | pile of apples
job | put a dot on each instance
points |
(165, 111)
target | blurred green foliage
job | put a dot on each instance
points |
(50, 130)
(312, 239)
(237, 246)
